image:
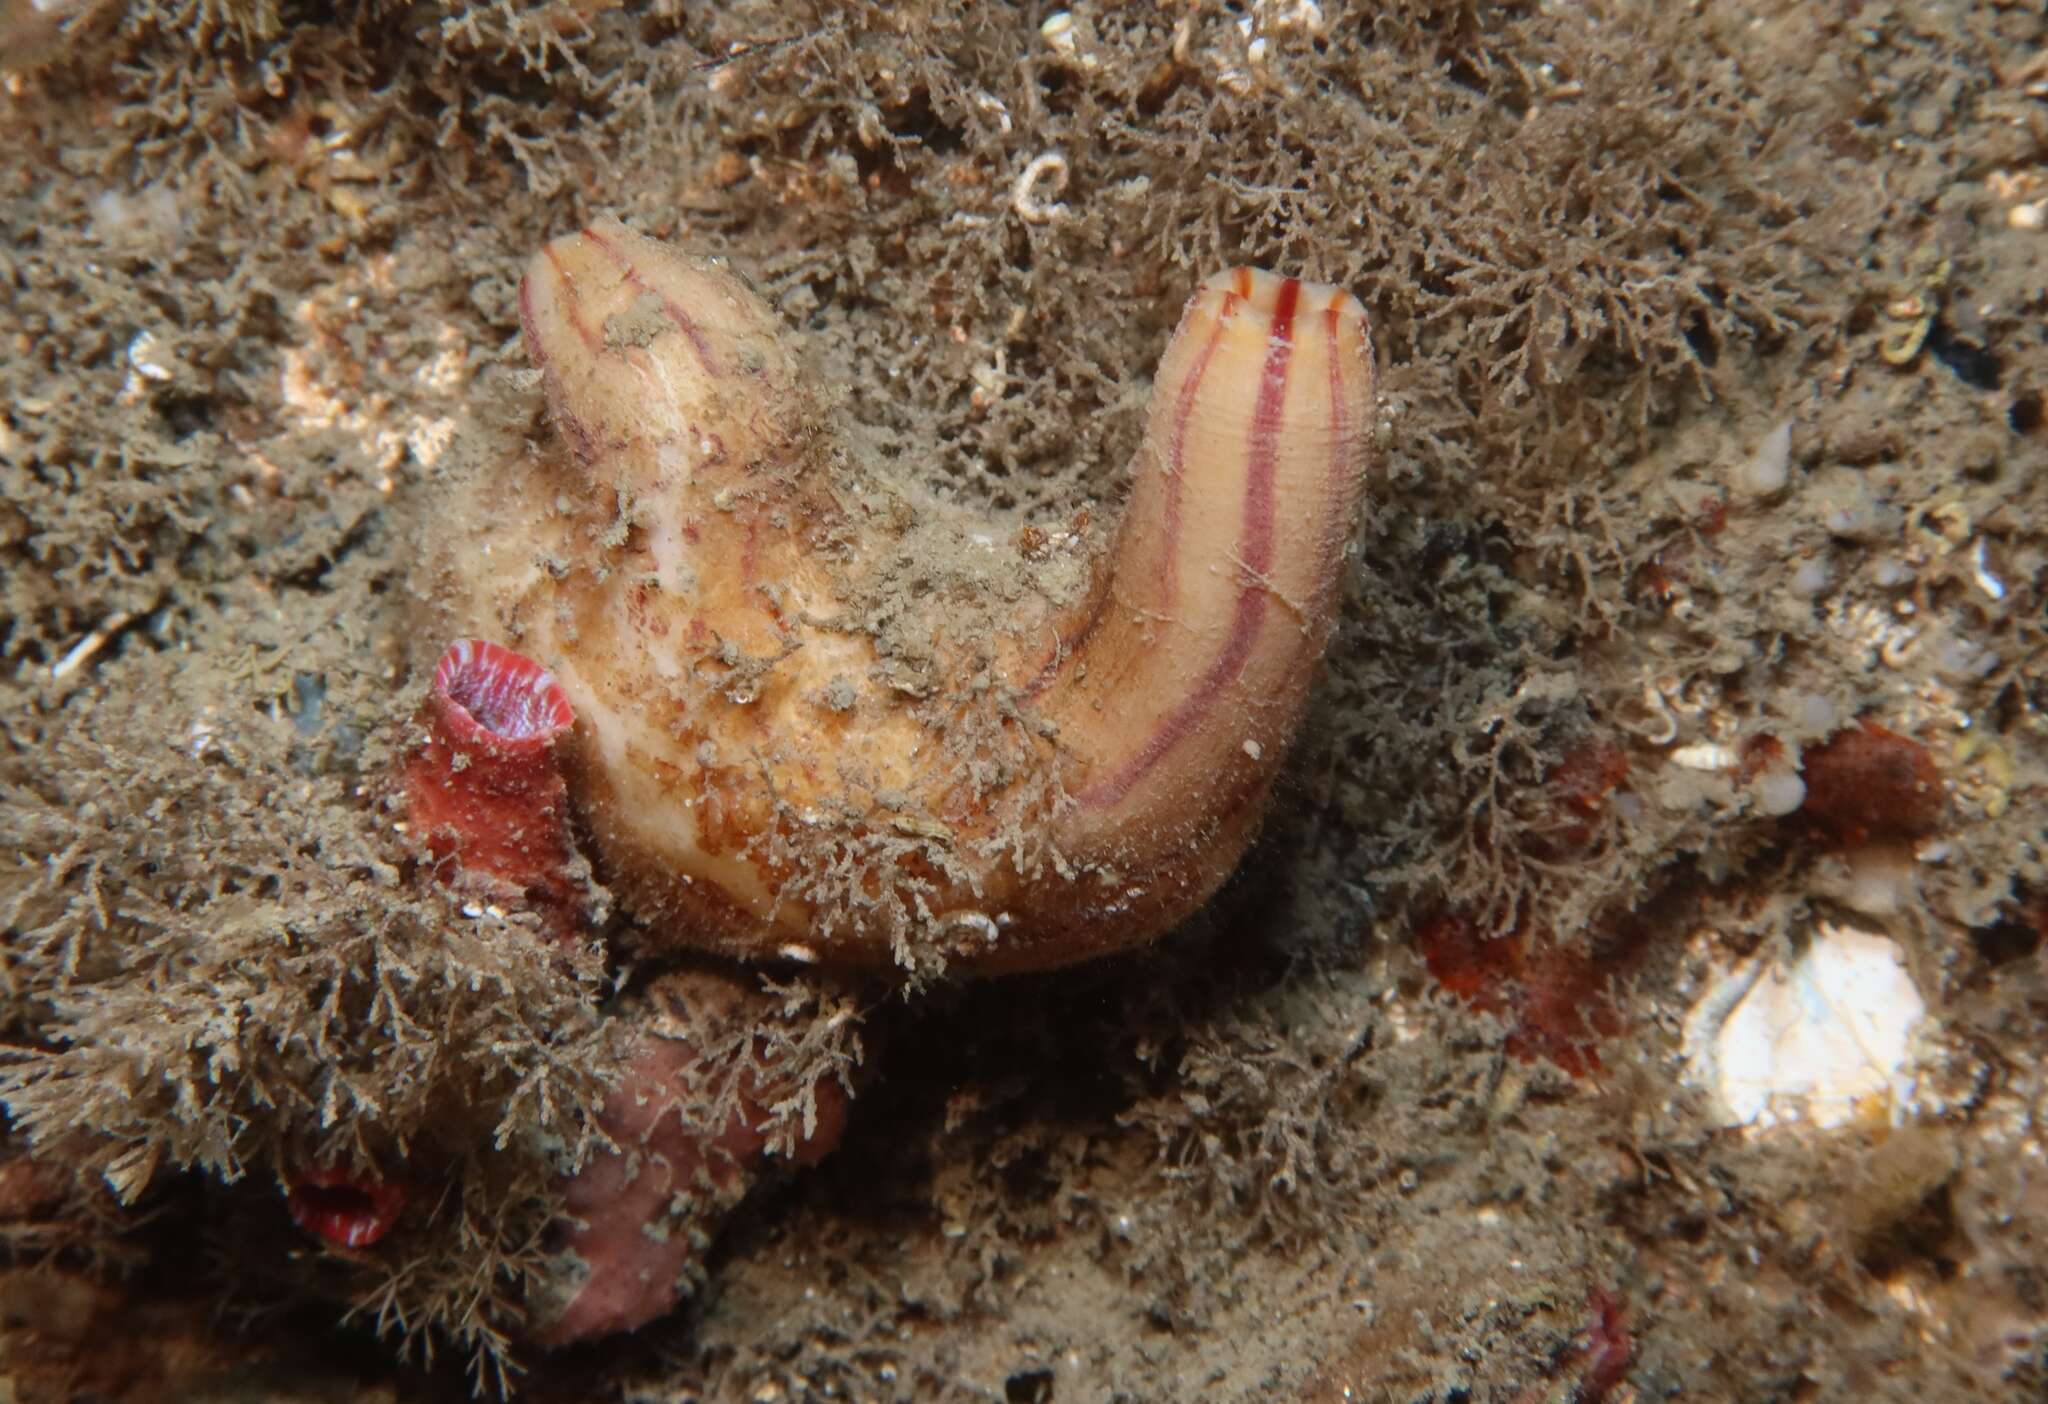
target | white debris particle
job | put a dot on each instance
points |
(1764, 472)
(1815, 713)
(1046, 175)
(1810, 577)
(429, 439)
(1779, 792)
(978, 923)
(82, 652)
(1990, 584)
(143, 355)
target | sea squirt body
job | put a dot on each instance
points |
(797, 737)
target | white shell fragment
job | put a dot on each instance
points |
(1705, 755)
(1824, 1041)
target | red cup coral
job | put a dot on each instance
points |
(484, 792)
(700, 1099)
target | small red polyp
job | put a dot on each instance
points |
(348, 1210)
(485, 792)
(495, 698)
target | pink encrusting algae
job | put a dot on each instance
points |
(692, 565)
(641, 1215)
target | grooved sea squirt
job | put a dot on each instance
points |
(820, 717)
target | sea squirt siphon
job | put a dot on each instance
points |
(797, 739)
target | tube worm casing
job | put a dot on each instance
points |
(798, 736)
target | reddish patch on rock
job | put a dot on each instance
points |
(1712, 518)
(1468, 963)
(1553, 998)
(1580, 787)
(350, 1211)
(1610, 1350)
(1760, 753)
(1867, 783)
(485, 791)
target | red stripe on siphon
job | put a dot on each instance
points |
(685, 323)
(535, 350)
(568, 303)
(1064, 651)
(1335, 486)
(1183, 409)
(581, 443)
(1254, 553)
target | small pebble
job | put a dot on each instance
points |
(1847, 507)
(1960, 659)
(1880, 881)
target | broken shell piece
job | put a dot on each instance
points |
(1825, 1040)
(1705, 755)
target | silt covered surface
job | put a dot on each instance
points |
(1405, 1113)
